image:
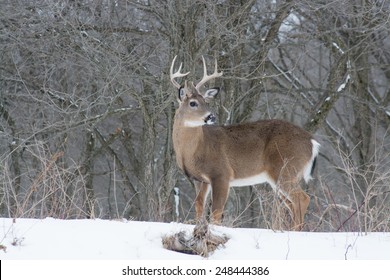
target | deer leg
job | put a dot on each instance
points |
(299, 203)
(202, 191)
(295, 198)
(220, 192)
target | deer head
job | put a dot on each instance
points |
(193, 104)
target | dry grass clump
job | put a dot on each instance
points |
(202, 241)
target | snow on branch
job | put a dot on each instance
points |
(343, 85)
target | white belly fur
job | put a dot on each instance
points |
(249, 181)
(257, 179)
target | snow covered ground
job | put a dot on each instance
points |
(103, 239)
(102, 249)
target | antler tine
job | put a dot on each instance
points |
(177, 74)
(206, 77)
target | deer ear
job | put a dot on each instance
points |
(181, 94)
(210, 94)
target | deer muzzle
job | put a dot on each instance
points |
(210, 119)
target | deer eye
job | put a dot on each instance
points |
(193, 104)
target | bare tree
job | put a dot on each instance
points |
(85, 100)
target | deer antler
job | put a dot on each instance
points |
(207, 78)
(177, 74)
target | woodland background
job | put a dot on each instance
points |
(86, 104)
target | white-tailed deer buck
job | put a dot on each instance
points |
(219, 157)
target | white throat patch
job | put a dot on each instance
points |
(194, 123)
(199, 122)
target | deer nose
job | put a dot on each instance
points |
(210, 119)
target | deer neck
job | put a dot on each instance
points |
(187, 137)
(186, 141)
